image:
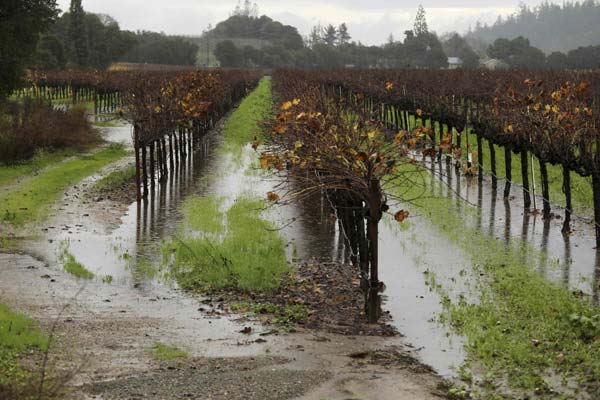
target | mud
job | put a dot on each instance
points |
(103, 333)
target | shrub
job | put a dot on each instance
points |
(32, 125)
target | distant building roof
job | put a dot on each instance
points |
(455, 61)
(494, 64)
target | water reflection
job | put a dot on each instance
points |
(576, 253)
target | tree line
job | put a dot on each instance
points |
(78, 39)
(550, 27)
(332, 47)
(325, 47)
(518, 53)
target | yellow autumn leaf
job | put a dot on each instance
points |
(556, 96)
(286, 106)
(399, 136)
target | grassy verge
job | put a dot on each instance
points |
(163, 352)
(18, 336)
(29, 202)
(116, 179)
(108, 124)
(9, 173)
(524, 332)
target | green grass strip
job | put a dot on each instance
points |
(9, 173)
(29, 202)
(116, 179)
(246, 122)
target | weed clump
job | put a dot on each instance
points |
(163, 352)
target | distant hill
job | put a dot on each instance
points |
(550, 27)
(261, 28)
(246, 30)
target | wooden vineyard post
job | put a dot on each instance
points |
(163, 159)
(459, 146)
(545, 188)
(479, 159)
(533, 187)
(373, 299)
(569, 206)
(95, 102)
(175, 141)
(363, 250)
(171, 152)
(493, 166)
(152, 172)
(508, 171)
(596, 190)
(136, 147)
(525, 177)
(144, 169)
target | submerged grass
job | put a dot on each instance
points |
(524, 331)
(30, 201)
(71, 265)
(238, 250)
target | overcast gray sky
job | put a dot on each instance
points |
(369, 21)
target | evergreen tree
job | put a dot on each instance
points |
(343, 35)
(21, 22)
(420, 27)
(78, 34)
(330, 36)
(316, 35)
